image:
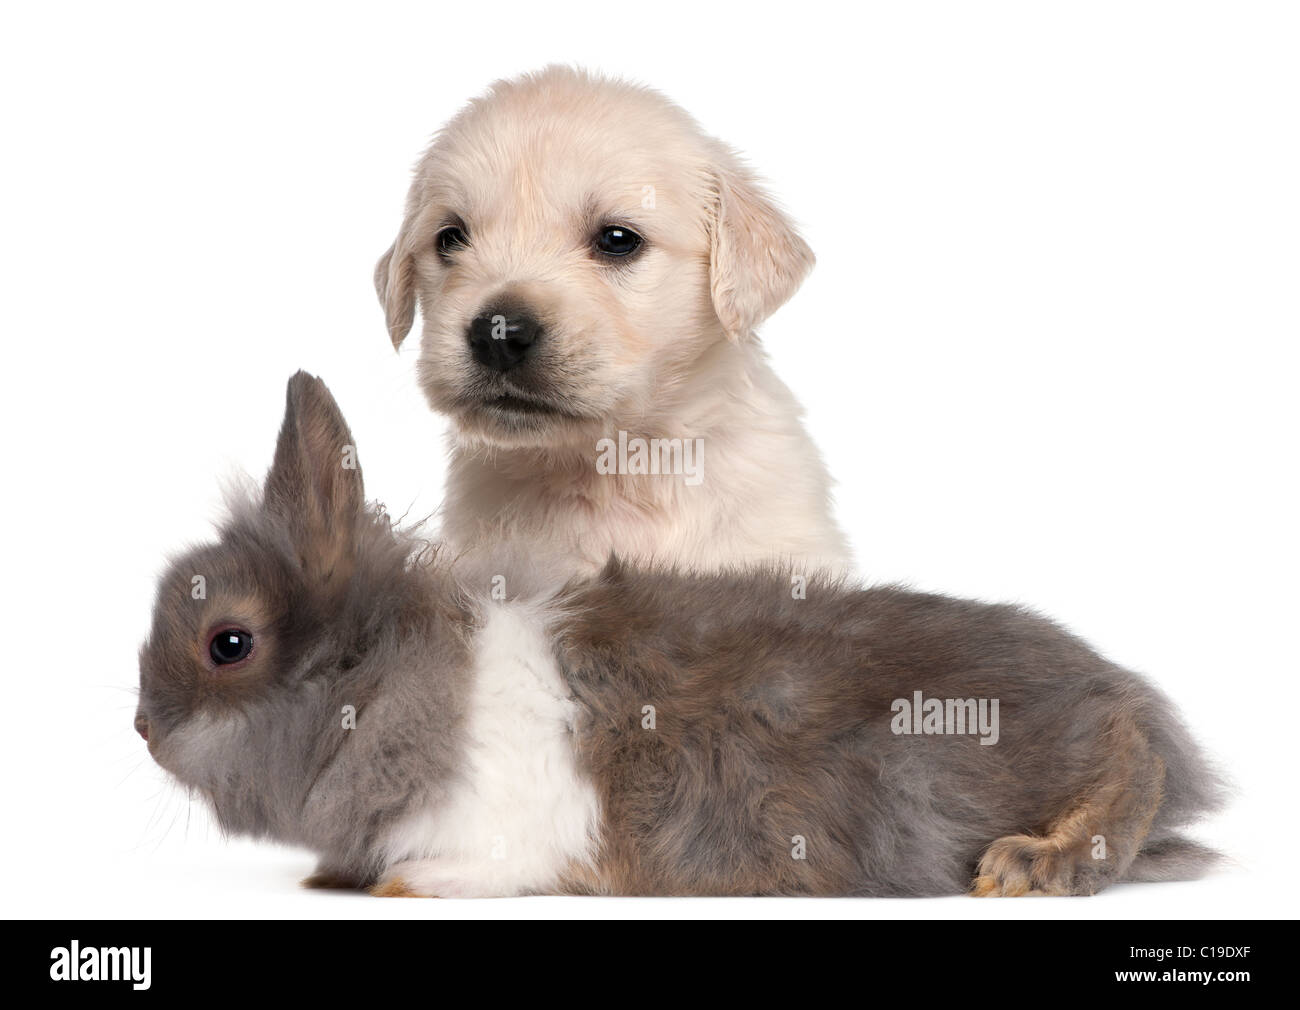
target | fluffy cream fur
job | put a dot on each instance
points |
(661, 346)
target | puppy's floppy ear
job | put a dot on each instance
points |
(315, 480)
(756, 258)
(395, 285)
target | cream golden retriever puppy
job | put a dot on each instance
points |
(590, 268)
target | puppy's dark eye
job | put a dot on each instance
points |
(230, 645)
(617, 241)
(450, 239)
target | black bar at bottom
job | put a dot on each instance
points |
(668, 959)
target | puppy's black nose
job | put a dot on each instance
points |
(501, 340)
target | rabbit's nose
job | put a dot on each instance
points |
(142, 726)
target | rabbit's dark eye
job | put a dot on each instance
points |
(230, 645)
(617, 241)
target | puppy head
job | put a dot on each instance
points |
(575, 244)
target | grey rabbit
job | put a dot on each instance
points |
(426, 730)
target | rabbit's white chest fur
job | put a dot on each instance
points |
(521, 812)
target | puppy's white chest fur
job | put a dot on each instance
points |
(521, 813)
(763, 494)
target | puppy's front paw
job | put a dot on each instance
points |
(1021, 865)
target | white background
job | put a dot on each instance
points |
(1049, 353)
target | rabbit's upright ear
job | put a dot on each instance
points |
(756, 258)
(315, 481)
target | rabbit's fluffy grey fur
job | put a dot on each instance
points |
(640, 731)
